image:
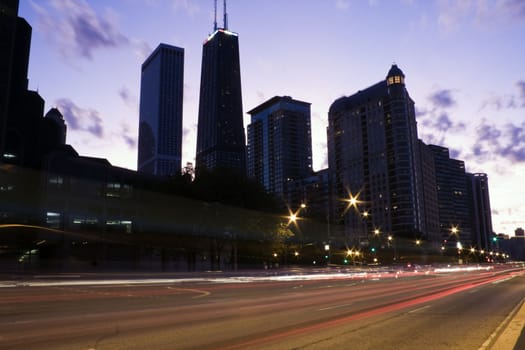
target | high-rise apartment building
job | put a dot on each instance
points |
(453, 197)
(373, 158)
(220, 135)
(482, 230)
(8, 21)
(21, 110)
(429, 194)
(161, 95)
(279, 143)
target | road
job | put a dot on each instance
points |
(375, 310)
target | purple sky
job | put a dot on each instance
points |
(464, 63)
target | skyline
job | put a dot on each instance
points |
(461, 60)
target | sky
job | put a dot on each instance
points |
(464, 63)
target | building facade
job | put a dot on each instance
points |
(429, 194)
(161, 98)
(21, 110)
(453, 197)
(279, 143)
(374, 161)
(482, 230)
(220, 135)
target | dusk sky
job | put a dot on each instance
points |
(464, 63)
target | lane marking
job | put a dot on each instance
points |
(335, 307)
(504, 280)
(203, 293)
(491, 339)
(419, 309)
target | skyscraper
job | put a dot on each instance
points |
(8, 21)
(481, 215)
(21, 110)
(160, 128)
(453, 198)
(373, 158)
(279, 143)
(220, 135)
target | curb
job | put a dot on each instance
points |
(508, 333)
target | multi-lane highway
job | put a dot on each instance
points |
(375, 310)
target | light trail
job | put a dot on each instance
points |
(390, 307)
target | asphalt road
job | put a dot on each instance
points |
(458, 310)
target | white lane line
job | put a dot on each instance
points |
(202, 293)
(419, 309)
(490, 342)
(335, 307)
(503, 280)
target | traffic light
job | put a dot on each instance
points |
(373, 249)
(494, 239)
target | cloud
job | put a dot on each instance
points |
(188, 6)
(437, 125)
(77, 29)
(509, 101)
(500, 102)
(127, 97)
(514, 9)
(496, 143)
(442, 99)
(129, 139)
(453, 15)
(443, 123)
(342, 4)
(80, 119)
(521, 87)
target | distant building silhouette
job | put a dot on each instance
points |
(373, 154)
(161, 98)
(313, 192)
(279, 143)
(220, 135)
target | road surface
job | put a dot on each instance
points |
(375, 310)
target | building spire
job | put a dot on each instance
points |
(215, 16)
(225, 17)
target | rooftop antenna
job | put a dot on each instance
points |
(225, 17)
(215, 16)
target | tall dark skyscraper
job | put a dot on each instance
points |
(8, 21)
(160, 128)
(482, 230)
(373, 154)
(21, 110)
(279, 143)
(220, 135)
(453, 197)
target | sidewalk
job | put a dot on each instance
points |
(512, 336)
